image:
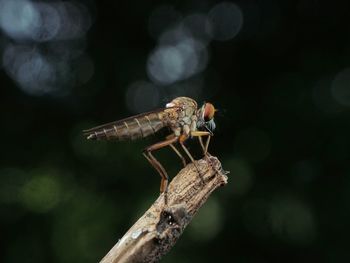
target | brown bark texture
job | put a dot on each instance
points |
(157, 231)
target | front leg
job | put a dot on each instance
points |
(200, 134)
(182, 139)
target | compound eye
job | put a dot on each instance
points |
(209, 112)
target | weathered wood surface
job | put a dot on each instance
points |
(156, 232)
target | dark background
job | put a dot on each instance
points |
(281, 82)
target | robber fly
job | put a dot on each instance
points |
(181, 115)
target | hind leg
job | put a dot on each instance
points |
(157, 165)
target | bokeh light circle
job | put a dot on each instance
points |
(168, 64)
(18, 18)
(32, 71)
(47, 24)
(292, 220)
(323, 97)
(41, 193)
(227, 21)
(200, 27)
(208, 222)
(47, 40)
(340, 88)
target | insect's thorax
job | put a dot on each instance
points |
(182, 115)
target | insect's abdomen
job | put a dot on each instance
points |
(128, 129)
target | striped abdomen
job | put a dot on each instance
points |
(132, 128)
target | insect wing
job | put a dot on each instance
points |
(134, 127)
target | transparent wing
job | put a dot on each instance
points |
(134, 127)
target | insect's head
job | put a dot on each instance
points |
(206, 117)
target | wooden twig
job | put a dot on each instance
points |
(158, 229)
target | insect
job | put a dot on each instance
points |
(181, 115)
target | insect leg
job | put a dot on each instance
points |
(178, 153)
(187, 152)
(181, 141)
(159, 168)
(200, 134)
(207, 144)
(201, 143)
(156, 164)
